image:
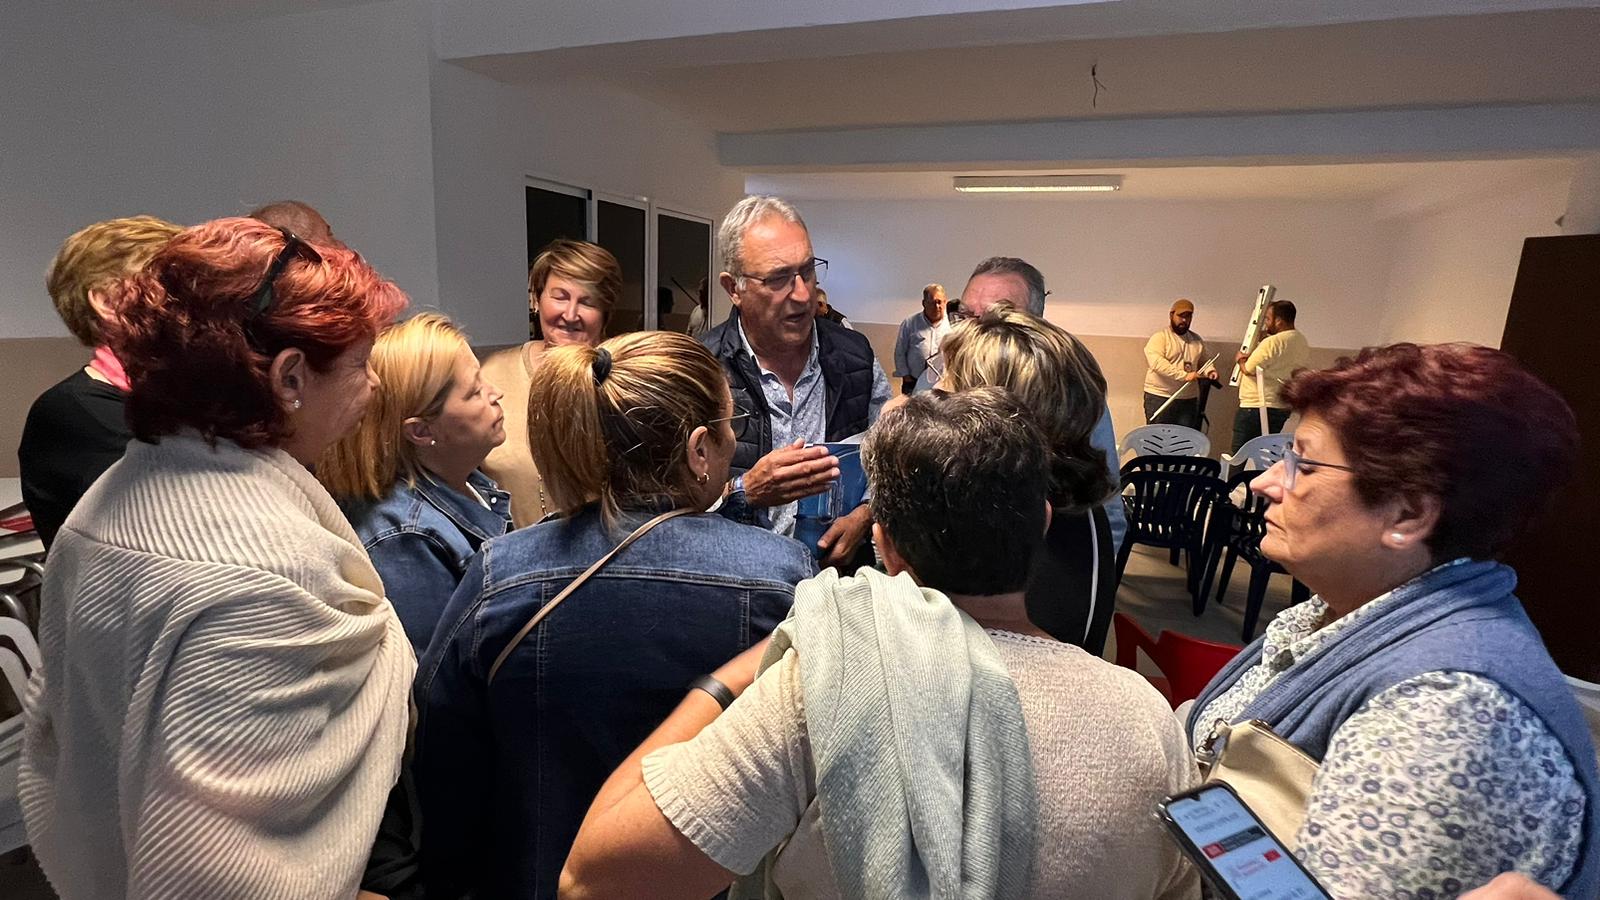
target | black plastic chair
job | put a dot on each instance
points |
(1173, 510)
(1236, 532)
(1192, 465)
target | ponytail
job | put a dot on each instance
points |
(564, 427)
(611, 423)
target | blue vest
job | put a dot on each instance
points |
(1462, 618)
(846, 360)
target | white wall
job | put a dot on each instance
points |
(331, 107)
(1451, 268)
(112, 109)
(489, 137)
(1114, 267)
(105, 112)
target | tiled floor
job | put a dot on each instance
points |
(1153, 592)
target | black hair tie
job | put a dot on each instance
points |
(602, 365)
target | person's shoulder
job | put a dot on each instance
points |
(757, 552)
(503, 362)
(838, 334)
(1079, 677)
(401, 509)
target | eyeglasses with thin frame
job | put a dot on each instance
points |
(735, 421)
(1294, 462)
(782, 282)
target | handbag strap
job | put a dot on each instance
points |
(576, 583)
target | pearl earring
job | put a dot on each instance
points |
(1398, 537)
(297, 404)
(703, 477)
(432, 442)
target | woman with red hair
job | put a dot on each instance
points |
(1448, 747)
(221, 708)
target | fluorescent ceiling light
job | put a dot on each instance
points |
(1025, 184)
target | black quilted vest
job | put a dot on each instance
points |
(846, 360)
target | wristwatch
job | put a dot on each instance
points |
(738, 484)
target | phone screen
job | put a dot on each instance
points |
(1238, 850)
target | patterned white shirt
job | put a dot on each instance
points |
(805, 415)
(1432, 787)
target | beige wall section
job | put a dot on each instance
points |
(1122, 361)
(27, 367)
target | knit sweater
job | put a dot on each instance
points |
(221, 708)
(924, 782)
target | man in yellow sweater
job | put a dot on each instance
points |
(1276, 357)
(1173, 358)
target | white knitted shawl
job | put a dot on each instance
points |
(222, 704)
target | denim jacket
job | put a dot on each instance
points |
(420, 539)
(506, 772)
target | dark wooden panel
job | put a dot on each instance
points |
(1551, 329)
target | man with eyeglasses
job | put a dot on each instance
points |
(1015, 282)
(803, 380)
(916, 347)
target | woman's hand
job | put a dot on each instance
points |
(1512, 886)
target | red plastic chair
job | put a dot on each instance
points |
(1187, 662)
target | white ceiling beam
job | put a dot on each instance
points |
(730, 31)
(1345, 136)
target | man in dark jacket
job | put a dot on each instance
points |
(801, 380)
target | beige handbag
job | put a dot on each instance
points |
(1271, 775)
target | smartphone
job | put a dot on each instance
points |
(1235, 852)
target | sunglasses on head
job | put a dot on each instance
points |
(292, 245)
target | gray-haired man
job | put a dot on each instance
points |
(1007, 279)
(803, 380)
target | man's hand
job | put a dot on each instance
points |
(1191, 376)
(840, 541)
(789, 473)
(1240, 357)
(1213, 375)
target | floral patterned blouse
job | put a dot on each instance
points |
(1432, 788)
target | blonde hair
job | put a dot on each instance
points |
(611, 423)
(1055, 376)
(415, 363)
(94, 258)
(582, 262)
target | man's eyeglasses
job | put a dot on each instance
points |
(1294, 462)
(292, 244)
(811, 273)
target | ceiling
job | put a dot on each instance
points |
(1422, 183)
(1521, 57)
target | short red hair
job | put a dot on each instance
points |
(1462, 423)
(180, 328)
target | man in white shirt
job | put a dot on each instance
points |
(916, 347)
(1175, 356)
(1276, 357)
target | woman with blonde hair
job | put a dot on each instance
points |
(572, 287)
(1073, 587)
(77, 428)
(408, 477)
(522, 718)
